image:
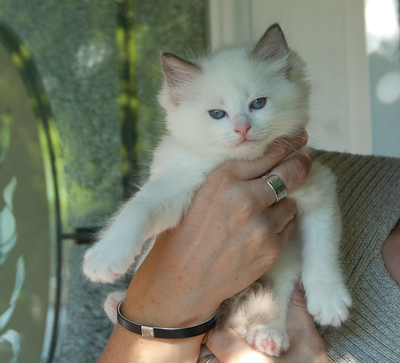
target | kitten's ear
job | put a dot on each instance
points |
(178, 71)
(272, 44)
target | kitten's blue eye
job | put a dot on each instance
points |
(217, 114)
(258, 103)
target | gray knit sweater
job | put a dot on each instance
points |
(369, 195)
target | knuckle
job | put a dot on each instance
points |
(263, 235)
(267, 244)
(259, 235)
(272, 225)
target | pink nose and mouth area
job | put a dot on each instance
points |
(242, 129)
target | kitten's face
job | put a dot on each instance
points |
(236, 102)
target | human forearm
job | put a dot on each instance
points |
(148, 303)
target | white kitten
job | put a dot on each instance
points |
(231, 105)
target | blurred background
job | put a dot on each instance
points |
(79, 119)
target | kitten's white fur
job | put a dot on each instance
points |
(230, 80)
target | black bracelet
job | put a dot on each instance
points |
(165, 333)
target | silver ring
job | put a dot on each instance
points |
(206, 359)
(277, 186)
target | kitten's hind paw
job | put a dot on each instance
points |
(269, 340)
(102, 265)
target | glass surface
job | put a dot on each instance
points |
(25, 242)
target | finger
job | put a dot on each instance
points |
(279, 215)
(293, 172)
(288, 229)
(293, 142)
(275, 152)
(275, 245)
(275, 249)
(229, 347)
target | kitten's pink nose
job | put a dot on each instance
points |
(242, 129)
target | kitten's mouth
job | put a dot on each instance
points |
(245, 141)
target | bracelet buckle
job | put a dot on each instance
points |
(147, 331)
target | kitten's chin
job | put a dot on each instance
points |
(248, 149)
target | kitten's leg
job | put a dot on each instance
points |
(245, 311)
(158, 206)
(259, 313)
(328, 299)
(270, 336)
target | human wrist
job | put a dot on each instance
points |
(164, 333)
(142, 305)
(155, 309)
(152, 299)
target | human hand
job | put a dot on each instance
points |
(306, 345)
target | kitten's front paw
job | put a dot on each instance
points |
(104, 265)
(270, 340)
(329, 308)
